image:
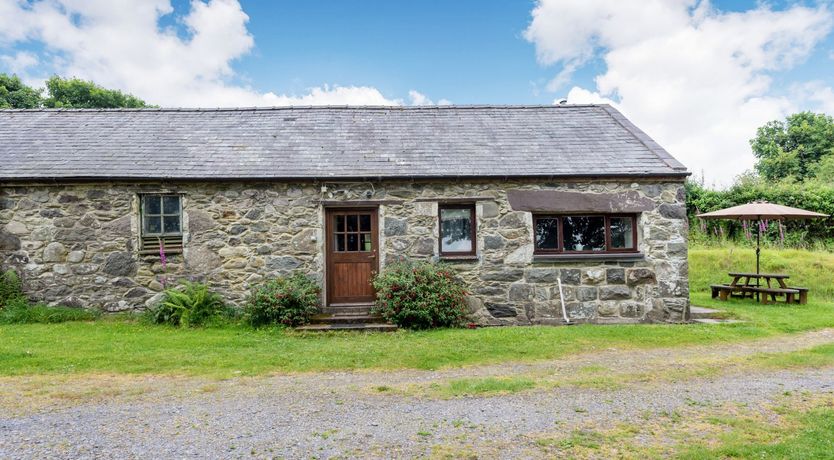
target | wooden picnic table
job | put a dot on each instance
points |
(760, 286)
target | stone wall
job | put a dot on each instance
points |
(76, 244)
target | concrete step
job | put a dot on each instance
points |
(346, 319)
(716, 321)
(696, 312)
(356, 327)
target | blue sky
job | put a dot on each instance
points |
(697, 76)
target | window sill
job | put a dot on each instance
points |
(581, 257)
(466, 258)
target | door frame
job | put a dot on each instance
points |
(328, 243)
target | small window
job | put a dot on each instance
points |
(161, 217)
(457, 230)
(584, 234)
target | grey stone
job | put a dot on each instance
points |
(677, 249)
(200, 259)
(614, 292)
(489, 209)
(424, 246)
(200, 221)
(541, 275)
(608, 309)
(615, 276)
(60, 269)
(119, 226)
(282, 263)
(570, 276)
(672, 211)
(120, 264)
(123, 282)
(136, 292)
(84, 269)
(581, 310)
(512, 220)
(9, 242)
(501, 310)
(493, 242)
(395, 227)
(237, 229)
(506, 274)
(54, 252)
(586, 293)
(631, 309)
(520, 292)
(95, 194)
(6, 203)
(75, 256)
(593, 275)
(65, 198)
(635, 276)
(51, 213)
(253, 214)
(17, 228)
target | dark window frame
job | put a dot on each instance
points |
(473, 231)
(561, 235)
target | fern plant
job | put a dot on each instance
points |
(10, 289)
(190, 304)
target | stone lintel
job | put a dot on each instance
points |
(556, 201)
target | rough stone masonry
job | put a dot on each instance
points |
(77, 244)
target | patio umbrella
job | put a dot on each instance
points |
(761, 211)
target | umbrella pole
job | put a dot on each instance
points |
(758, 250)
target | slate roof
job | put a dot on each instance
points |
(327, 143)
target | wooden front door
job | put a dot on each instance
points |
(351, 255)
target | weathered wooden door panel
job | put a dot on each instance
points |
(351, 255)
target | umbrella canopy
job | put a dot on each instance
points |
(761, 210)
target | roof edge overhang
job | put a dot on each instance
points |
(678, 176)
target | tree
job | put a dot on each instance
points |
(81, 94)
(15, 95)
(793, 148)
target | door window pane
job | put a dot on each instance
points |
(152, 204)
(622, 233)
(340, 242)
(584, 233)
(153, 224)
(171, 204)
(365, 242)
(352, 242)
(547, 233)
(365, 222)
(353, 223)
(456, 230)
(340, 224)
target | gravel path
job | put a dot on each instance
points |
(337, 414)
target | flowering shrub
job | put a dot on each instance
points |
(420, 295)
(289, 301)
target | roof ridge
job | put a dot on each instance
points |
(310, 107)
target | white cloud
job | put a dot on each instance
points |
(418, 98)
(122, 45)
(696, 79)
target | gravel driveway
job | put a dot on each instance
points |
(338, 414)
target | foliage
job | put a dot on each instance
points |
(287, 301)
(812, 195)
(190, 304)
(794, 147)
(10, 288)
(63, 93)
(19, 311)
(78, 94)
(420, 295)
(14, 94)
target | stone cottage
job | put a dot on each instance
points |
(537, 208)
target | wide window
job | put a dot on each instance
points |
(457, 230)
(584, 234)
(161, 217)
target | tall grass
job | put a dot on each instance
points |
(811, 269)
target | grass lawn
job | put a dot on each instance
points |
(120, 346)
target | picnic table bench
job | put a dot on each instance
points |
(748, 285)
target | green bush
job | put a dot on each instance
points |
(10, 288)
(287, 301)
(190, 304)
(19, 311)
(420, 295)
